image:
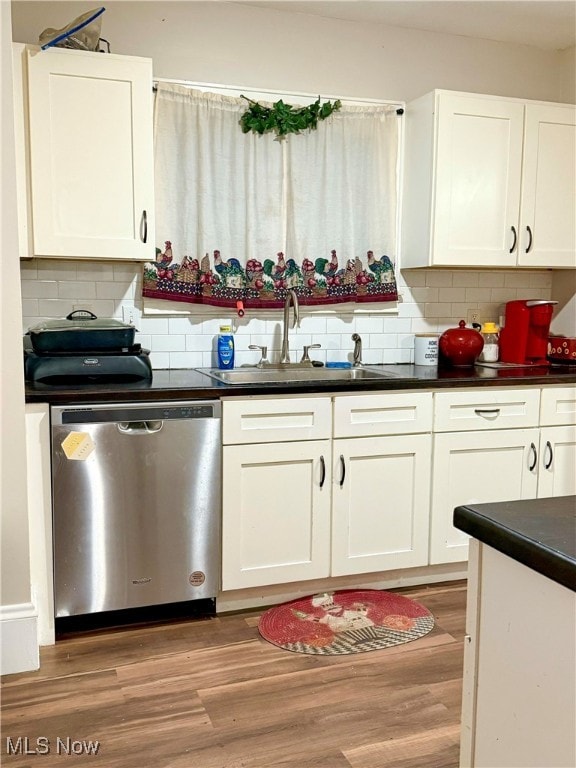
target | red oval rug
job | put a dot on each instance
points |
(346, 621)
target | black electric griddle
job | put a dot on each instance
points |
(125, 364)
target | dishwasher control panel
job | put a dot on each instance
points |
(99, 414)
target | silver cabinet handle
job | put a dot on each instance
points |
(515, 240)
(486, 411)
(144, 226)
(550, 452)
(343, 473)
(535, 455)
(323, 471)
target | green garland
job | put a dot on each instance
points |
(284, 118)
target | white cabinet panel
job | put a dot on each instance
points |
(91, 154)
(548, 212)
(276, 513)
(392, 413)
(477, 467)
(558, 406)
(478, 168)
(557, 470)
(380, 503)
(486, 409)
(276, 419)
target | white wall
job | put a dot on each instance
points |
(19, 649)
(568, 75)
(227, 43)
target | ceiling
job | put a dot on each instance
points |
(547, 24)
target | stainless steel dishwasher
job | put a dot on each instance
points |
(136, 503)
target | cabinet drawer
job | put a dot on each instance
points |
(558, 406)
(275, 420)
(486, 409)
(387, 414)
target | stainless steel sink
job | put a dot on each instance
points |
(294, 374)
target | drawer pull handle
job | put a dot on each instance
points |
(515, 240)
(486, 411)
(343, 474)
(144, 226)
(529, 246)
(323, 471)
(535, 455)
(548, 464)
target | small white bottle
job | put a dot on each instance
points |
(490, 351)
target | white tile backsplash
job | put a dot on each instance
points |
(39, 289)
(73, 290)
(431, 301)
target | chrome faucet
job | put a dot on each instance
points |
(291, 298)
(357, 355)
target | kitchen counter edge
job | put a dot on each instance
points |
(539, 533)
(186, 384)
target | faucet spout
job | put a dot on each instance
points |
(291, 298)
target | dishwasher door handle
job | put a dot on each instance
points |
(139, 427)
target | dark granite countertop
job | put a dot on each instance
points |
(191, 384)
(539, 533)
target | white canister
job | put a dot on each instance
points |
(426, 349)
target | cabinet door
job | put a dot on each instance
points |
(91, 155)
(276, 513)
(547, 218)
(380, 501)
(478, 172)
(557, 474)
(477, 467)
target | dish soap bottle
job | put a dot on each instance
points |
(225, 348)
(490, 351)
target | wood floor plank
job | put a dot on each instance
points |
(436, 748)
(213, 694)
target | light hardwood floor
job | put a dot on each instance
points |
(212, 693)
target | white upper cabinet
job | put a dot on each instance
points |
(91, 175)
(548, 203)
(489, 182)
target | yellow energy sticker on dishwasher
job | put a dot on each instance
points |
(77, 446)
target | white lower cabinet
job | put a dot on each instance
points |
(320, 486)
(485, 449)
(557, 473)
(477, 467)
(276, 524)
(380, 503)
(557, 456)
(297, 508)
(498, 445)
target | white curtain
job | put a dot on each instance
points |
(216, 188)
(250, 197)
(342, 185)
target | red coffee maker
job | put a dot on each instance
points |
(524, 337)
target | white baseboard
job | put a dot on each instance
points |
(19, 651)
(262, 597)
